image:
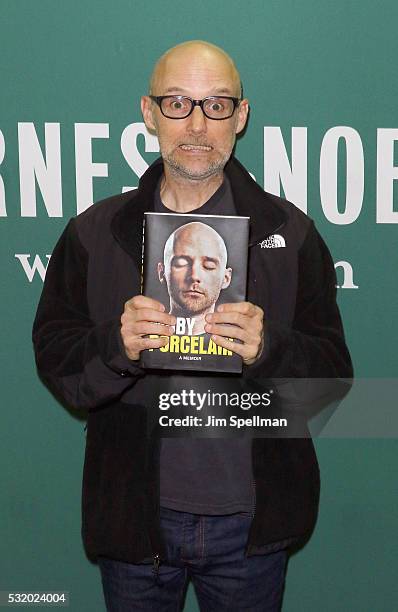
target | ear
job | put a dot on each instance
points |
(147, 113)
(227, 278)
(161, 272)
(243, 112)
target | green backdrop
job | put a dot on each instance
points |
(313, 64)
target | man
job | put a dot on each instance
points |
(195, 270)
(221, 511)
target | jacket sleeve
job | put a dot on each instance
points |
(83, 363)
(314, 346)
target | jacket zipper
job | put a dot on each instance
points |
(254, 485)
(155, 569)
(254, 482)
(156, 556)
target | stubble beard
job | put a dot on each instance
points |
(180, 170)
(195, 307)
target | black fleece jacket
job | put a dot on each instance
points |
(94, 270)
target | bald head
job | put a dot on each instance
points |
(192, 56)
(194, 269)
(200, 237)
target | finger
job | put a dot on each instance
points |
(154, 342)
(228, 331)
(137, 345)
(236, 347)
(147, 314)
(235, 318)
(143, 301)
(248, 352)
(246, 308)
(143, 328)
(251, 325)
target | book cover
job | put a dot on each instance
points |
(192, 263)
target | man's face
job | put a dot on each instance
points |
(196, 147)
(195, 270)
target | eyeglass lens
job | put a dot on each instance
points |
(214, 108)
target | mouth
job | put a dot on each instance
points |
(195, 148)
(193, 293)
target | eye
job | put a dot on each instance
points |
(180, 262)
(176, 105)
(216, 107)
(209, 264)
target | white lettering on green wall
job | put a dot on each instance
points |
(86, 169)
(36, 170)
(278, 170)
(387, 173)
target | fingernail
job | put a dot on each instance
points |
(219, 308)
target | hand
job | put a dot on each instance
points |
(142, 316)
(247, 320)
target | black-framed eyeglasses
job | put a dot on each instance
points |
(213, 107)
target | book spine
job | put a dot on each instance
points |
(142, 256)
(145, 228)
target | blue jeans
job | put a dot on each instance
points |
(210, 551)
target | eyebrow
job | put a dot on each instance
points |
(218, 91)
(215, 260)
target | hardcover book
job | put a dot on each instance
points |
(191, 264)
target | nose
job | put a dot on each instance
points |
(195, 272)
(197, 121)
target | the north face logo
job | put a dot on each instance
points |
(273, 242)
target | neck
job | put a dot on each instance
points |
(199, 319)
(199, 327)
(184, 195)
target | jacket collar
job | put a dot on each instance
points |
(266, 213)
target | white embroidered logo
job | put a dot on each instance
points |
(275, 241)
